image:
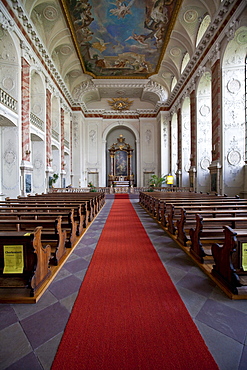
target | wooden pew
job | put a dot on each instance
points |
(52, 233)
(228, 259)
(97, 199)
(210, 229)
(24, 221)
(60, 227)
(186, 218)
(172, 210)
(42, 210)
(36, 257)
(36, 202)
(155, 203)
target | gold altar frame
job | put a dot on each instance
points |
(121, 162)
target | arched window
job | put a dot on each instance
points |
(174, 82)
(185, 61)
(203, 27)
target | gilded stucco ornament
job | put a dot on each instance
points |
(120, 103)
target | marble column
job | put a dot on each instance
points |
(62, 149)
(26, 166)
(215, 167)
(193, 140)
(49, 157)
(179, 163)
(25, 111)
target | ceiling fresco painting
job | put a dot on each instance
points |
(121, 38)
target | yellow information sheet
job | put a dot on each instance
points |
(244, 256)
(13, 259)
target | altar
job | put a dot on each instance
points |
(121, 175)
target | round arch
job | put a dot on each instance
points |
(116, 126)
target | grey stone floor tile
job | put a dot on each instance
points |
(63, 288)
(77, 265)
(47, 351)
(238, 304)
(7, 316)
(84, 251)
(68, 302)
(25, 310)
(193, 302)
(14, 345)
(44, 325)
(224, 319)
(198, 284)
(29, 362)
(81, 274)
(226, 351)
(63, 273)
(176, 274)
(243, 361)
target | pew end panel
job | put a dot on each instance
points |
(228, 257)
(36, 258)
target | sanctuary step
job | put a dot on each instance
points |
(121, 183)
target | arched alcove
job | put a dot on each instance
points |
(38, 161)
(130, 139)
(9, 123)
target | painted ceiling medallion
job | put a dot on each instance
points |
(120, 103)
(50, 13)
(190, 16)
(175, 52)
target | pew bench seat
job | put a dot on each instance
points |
(210, 229)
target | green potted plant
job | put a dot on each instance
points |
(156, 182)
(92, 187)
(53, 179)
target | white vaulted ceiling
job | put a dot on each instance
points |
(53, 31)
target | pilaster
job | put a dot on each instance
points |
(215, 167)
(179, 163)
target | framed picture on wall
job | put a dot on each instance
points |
(121, 163)
(214, 182)
(28, 183)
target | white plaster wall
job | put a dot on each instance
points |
(78, 150)
(56, 164)
(93, 149)
(9, 65)
(233, 114)
(165, 147)
(186, 142)
(38, 160)
(204, 132)
(149, 142)
(174, 144)
(10, 161)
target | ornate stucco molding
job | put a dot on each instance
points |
(6, 24)
(38, 44)
(211, 33)
(157, 89)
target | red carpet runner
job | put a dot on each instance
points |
(128, 314)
